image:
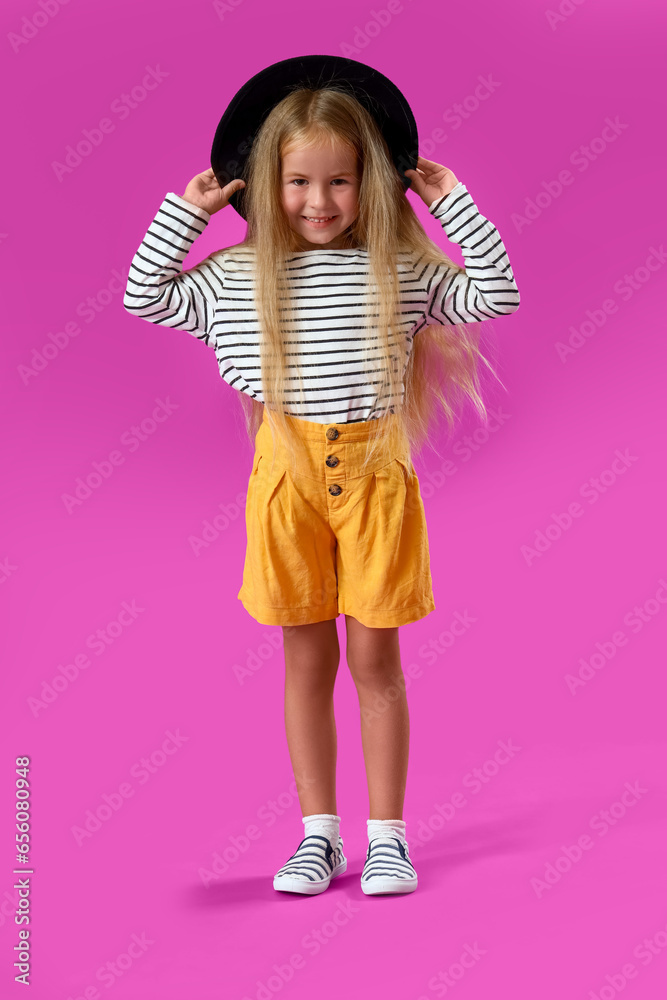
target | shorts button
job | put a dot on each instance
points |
(332, 461)
(332, 434)
(335, 490)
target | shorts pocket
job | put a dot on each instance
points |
(271, 485)
(266, 479)
(252, 478)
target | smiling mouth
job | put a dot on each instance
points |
(316, 220)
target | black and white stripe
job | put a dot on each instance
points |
(214, 302)
(312, 866)
(388, 867)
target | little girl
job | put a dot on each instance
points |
(337, 288)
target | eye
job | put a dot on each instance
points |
(342, 180)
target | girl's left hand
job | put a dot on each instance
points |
(431, 180)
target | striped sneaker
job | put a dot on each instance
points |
(312, 866)
(388, 867)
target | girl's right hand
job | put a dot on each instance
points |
(205, 192)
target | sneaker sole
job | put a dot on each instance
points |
(375, 886)
(286, 883)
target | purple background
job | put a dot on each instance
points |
(587, 268)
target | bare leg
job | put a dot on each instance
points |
(312, 655)
(374, 659)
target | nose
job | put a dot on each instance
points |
(319, 199)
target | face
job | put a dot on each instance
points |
(316, 184)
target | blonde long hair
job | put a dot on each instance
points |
(443, 364)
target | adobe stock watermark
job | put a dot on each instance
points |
(581, 158)
(430, 651)
(222, 7)
(9, 904)
(212, 528)
(312, 943)
(601, 823)
(32, 24)
(122, 107)
(115, 968)
(377, 21)
(7, 569)
(625, 288)
(264, 653)
(104, 468)
(57, 341)
(645, 951)
(563, 12)
(591, 490)
(465, 448)
(239, 844)
(98, 642)
(454, 116)
(143, 770)
(605, 650)
(445, 979)
(475, 780)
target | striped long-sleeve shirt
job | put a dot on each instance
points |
(214, 302)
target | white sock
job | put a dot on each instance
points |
(326, 824)
(386, 828)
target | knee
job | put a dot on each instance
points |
(376, 675)
(311, 682)
(312, 656)
(373, 655)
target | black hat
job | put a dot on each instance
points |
(249, 107)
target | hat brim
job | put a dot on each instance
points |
(247, 110)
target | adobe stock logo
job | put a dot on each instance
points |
(566, 9)
(6, 569)
(122, 106)
(645, 952)
(212, 528)
(33, 24)
(626, 287)
(142, 769)
(103, 469)
(605, 650)
(442, 982)
(591, 490)
(98, 642)
(602, 822)
(476, 779)
(59, 340)
(581, 158)
(312, 943)
(239, 843)
(112, 970)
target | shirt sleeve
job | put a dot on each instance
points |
(158, 290)
(486, 288)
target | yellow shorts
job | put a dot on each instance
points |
(325, 540)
